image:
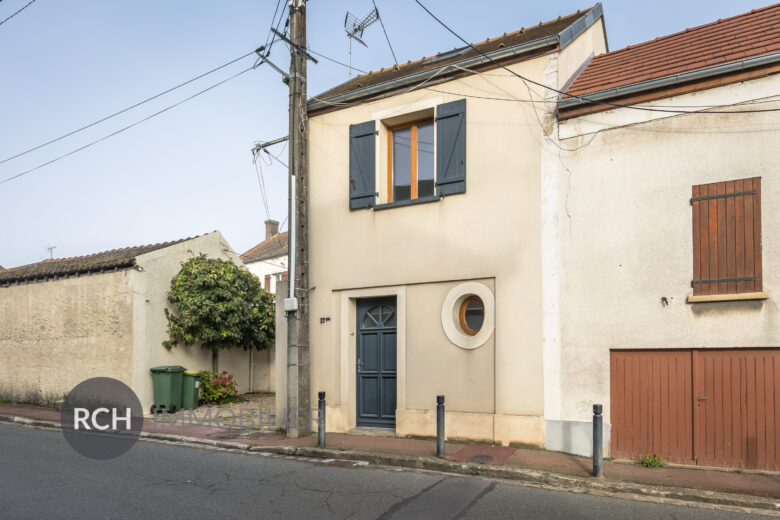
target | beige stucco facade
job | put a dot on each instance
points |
(417, 253)
(58, 333)
(618, 246)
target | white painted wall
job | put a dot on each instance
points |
(619, 220)
(269, 266)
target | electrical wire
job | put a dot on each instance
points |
(19, 11)
(261, 182)
(334, 61)
(112, 134)
(360, 102)
(582, 97)
(90, 125)
(385, 31)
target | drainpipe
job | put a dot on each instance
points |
(251, 369)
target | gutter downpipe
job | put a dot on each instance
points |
(637, 88)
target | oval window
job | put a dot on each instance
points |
(472, 315)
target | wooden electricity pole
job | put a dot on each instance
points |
(297, 304)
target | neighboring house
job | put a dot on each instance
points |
(662, 249)
(425, 237)
(268, 259)
(69, 319)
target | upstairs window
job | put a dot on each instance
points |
(426, 157)
(727, 237)
(410, 161)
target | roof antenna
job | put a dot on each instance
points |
(355, 28)
(51, 252)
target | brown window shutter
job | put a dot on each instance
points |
(267, 283)
(284, 276)
(727, 237)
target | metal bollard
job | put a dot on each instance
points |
(439, 425)
(321, 420)
(598, 441)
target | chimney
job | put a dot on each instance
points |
(271, 228)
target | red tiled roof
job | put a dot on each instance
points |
(57, 267)
(271, 248)
(727, 40)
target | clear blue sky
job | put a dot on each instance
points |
(189, 171)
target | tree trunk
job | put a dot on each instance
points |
(215, 361)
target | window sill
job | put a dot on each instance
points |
(708, 298)
(421, 200)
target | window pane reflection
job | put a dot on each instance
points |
(425, 159)
(402, 164)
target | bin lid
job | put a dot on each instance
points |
(168, 368)
(192, 372)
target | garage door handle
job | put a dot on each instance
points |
(701, 398)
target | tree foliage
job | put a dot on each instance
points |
(219, 305)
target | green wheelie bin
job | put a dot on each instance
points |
(190, 390)
(167, 388)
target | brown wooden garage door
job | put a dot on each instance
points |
(710, 407)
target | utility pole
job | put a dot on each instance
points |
(297, 304)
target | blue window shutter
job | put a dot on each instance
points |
(362, 165)
(451, 148)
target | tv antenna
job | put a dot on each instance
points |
(355, 27)
(51, 251)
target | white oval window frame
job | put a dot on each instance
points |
(450, 315)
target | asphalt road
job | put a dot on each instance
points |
(42, 477)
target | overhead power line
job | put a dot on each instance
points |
(385, 31)
(335, 61)
(90, 125)
(581, 97)
(28, 4)
(112, 134)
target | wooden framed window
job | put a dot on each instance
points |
(727, 237)
(410, 163)
(413, 170)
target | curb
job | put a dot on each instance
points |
(526, 476)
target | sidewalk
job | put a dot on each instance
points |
(755, 489)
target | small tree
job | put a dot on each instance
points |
(220, 305)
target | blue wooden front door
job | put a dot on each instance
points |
(376, 362)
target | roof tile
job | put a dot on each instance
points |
(57, 267)
(727, 40)
(523, 35)
(271, 248)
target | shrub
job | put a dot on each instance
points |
(651, 461)
(218, 388)
(219, 305)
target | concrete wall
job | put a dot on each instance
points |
(415, 252)
(151, 285)
(55, 334)
(620, 212)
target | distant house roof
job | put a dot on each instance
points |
(271, 248)
(59, 267)
(564, 28)
(727, 40)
